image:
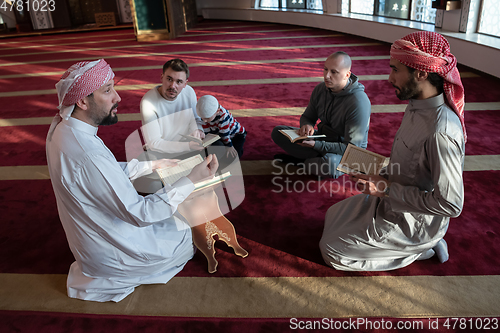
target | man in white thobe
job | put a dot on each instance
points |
(119, 239)
(403, 215)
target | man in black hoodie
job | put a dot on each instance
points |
(342, 106)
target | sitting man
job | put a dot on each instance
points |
(403, 217)
(119, 239)
(168, 111)
(341, 104)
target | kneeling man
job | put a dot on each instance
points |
(119, 239)
(403, 216)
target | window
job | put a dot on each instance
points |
(292, 4)
(422, 11)
(362, 6)
(315, 4)
(489, 19)
(296, 4)
(393, 8)
(415, 10)
(270, 3)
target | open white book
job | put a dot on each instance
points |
(170, 175)
(293, 135)
(360, 160)
(210, 182)
(207, 141)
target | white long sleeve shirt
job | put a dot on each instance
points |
(164, 121)
(119, 238)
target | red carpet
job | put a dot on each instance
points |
(224, 73)
(24, 145)
(282, 236)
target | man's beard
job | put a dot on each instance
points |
(408, 91)
(172, 91)
(110, 119)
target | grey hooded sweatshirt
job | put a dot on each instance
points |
(346, 115)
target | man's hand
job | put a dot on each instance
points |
(307, 143)
(231, 152)
(372, 185)
(163, 163)
(306, 130)
(193, 145)
(198, 134)
(204, 170)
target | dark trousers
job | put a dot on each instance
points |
(219, 149)
(316, 163)
(238, 142)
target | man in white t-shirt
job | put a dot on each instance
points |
(168, 111)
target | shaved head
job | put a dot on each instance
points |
(345, 62)
(337, 71)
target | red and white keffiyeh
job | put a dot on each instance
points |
(81, 80)
(430, 52)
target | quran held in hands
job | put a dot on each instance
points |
(293, 135)
(359, 160)
(170, 175)
(209, 139)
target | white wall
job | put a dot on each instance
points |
(330, 6)
(200, 4)
(451, 20)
